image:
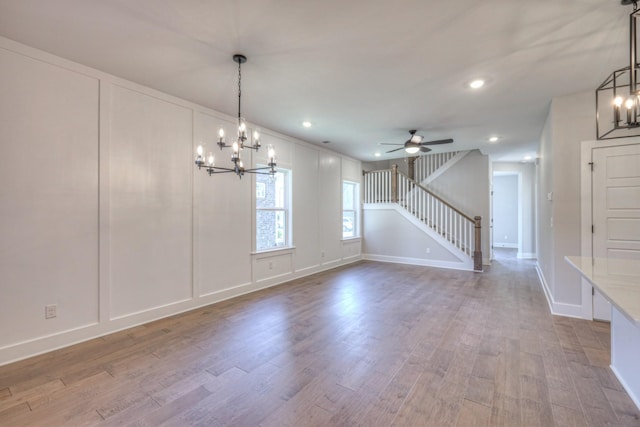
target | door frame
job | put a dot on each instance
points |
(586, 208)
(519, 219)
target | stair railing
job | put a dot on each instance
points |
(426, 165)
(458, 228)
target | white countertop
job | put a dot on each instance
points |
(618, 280)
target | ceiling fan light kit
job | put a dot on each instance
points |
(415, 144)
(618, 97)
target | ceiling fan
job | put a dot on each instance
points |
(415, 144)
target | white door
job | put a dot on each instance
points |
(616, 209)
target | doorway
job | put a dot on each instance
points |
(506, 210)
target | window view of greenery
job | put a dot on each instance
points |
(272, 210)
(349, 209)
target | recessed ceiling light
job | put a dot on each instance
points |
(476, 84)
(493, 139)
(306, 124)
(378, 154)
(527, 158)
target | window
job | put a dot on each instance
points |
(272, 210)
(350, 197)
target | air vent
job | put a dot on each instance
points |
(326, 142)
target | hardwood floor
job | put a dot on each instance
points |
(371, 344)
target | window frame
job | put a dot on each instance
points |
(285, 209)
(355, 189)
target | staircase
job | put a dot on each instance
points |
(428, 168)
(453, 226)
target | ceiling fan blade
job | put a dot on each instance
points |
(424, 149)
(388, 143)
(439, 141)
(401, 148)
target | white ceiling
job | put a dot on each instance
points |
(362, 71)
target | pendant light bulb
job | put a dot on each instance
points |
(210, 159)
(618, 101)
(200, 150)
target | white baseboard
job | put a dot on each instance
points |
(506, 245)
(420, 261)
(634, 398)
(559, 308)
(527, 255)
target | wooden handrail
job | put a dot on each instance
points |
(435, 196)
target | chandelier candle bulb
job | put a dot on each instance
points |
(629, 104)
(271, 153)
(210, 159)
(242, 129)
(617, 103)
(199, 152)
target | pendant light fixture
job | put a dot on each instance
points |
(618, 97)
(208, 163)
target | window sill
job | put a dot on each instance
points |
(351, 239)
(274, 251)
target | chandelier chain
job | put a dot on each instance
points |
(239, 86)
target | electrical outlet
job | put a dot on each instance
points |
(270, 265)
(50, 311)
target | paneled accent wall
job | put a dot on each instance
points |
(103, 213)
(48, 198)
(150, 202)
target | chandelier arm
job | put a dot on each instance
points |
(214, 169)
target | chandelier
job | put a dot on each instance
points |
(618, 97)
(241, 142)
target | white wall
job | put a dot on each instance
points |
(505, 211)
(466, 186)
(571, 120)
(104, 214)
(390, 236)
(526, 173)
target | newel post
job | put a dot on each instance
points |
(394, 183)
(411, 163)
(477, 252)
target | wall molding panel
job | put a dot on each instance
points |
(124, 229)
